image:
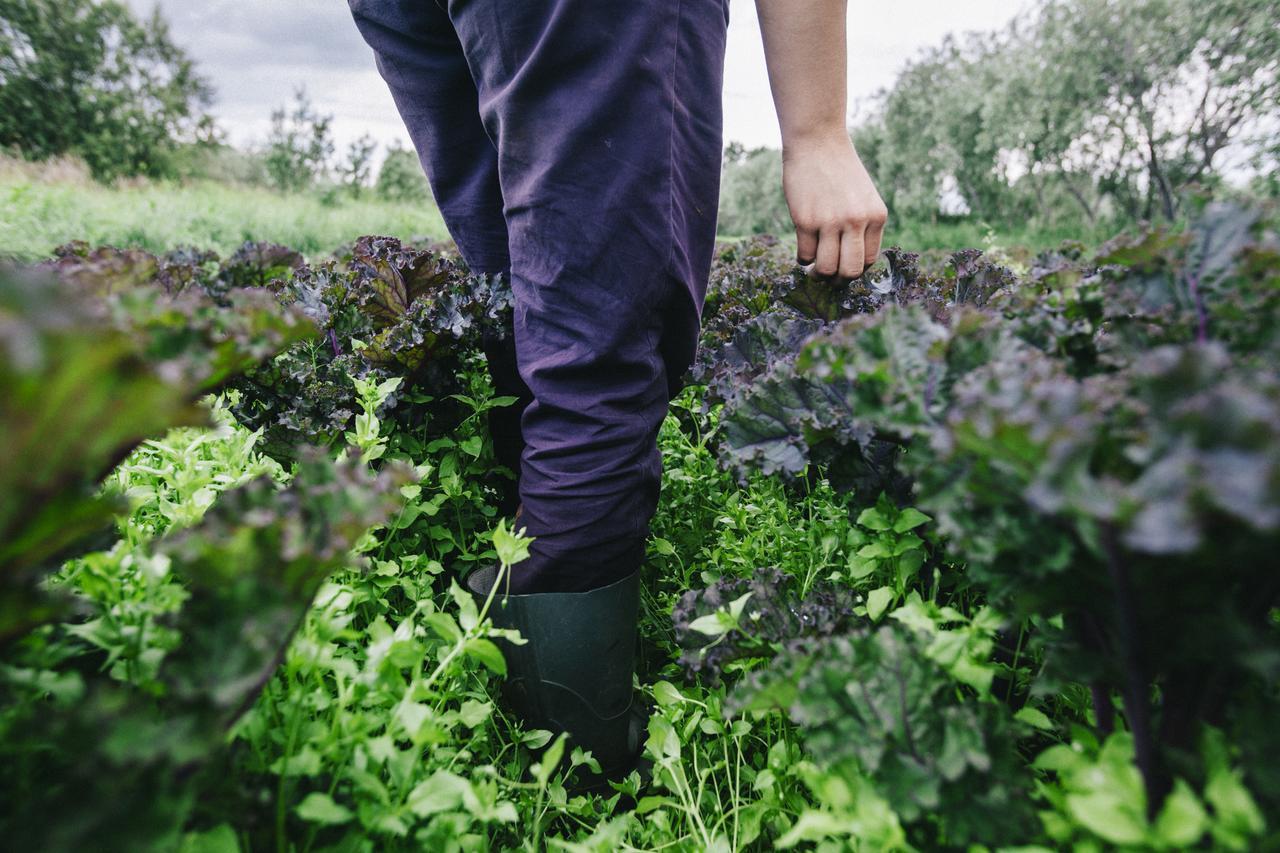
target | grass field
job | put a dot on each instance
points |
(43, 209)
(44, 206)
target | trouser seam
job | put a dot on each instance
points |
(671, 143)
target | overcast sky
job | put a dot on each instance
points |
(255, 52)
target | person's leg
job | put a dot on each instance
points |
(606, 117)
(421, 59)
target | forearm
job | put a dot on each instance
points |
(838, 214)
(805, 50)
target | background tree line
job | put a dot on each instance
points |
(1082, 112)
(90, 79)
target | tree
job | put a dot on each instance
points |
(751, 199)
(357, 168)
(1153, 92)
(86, 77)
(401, 177)
(1101, 107)
(300, 145)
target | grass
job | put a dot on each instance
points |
(923, 236)
(38, 214)
(45, 205)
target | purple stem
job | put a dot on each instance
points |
(1202, 319)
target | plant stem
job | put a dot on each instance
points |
(1137, 708)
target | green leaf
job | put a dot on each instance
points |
(712, 624)
(1182, 821)
(909, 519)
(860, 567)
(876, 549)
(320, 808)
(442, 791)
(878, 600)
(908, 543)
(486, 653)
(220, 839)
(813, 825)
(468, 614)
(662, 546)
(512, 546)
(663, 740)
(474, 713)
(413, 716)
(1035, 718)
(1233, 806)
(444, 626)
(648, 804)
(1107, 815)
(872, 519)
(387, 387)
(536, 738)
(666, 694)
(550, 760)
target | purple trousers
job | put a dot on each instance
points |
(574, 145)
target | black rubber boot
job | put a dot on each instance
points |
(574, 673)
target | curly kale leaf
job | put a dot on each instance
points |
(775, 613)
(258, 265)
(860, 389)
(90, 368)
(390, 311)
(188, 321)
(872, 703)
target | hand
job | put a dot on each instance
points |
(838, 214)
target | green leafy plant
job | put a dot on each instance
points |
(1102, 454)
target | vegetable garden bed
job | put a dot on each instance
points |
(957, 554)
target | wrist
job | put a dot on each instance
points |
(815, 140)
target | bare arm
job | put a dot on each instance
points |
(838, 214)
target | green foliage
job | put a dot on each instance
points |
(1099, 445)
(389, 312)
(1068, 116)
(300, 145)
(121, 675)
(88, 77)
(108, 764)
(357, 167)
(1100, 798)
(38, 214)
(401, 179)
(751, 199)
(278, 652)
(116, 349)
(874, 705)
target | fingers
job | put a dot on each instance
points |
(845, 250)
(827, 261)
(806, 246)
(851, 248)
(875, 231)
